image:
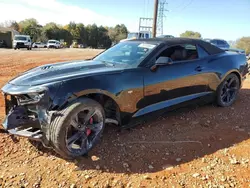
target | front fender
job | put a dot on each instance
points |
(126, 92)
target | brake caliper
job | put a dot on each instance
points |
(88, 131)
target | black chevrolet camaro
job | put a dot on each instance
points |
(66, 105)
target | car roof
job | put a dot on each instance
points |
(211, 49)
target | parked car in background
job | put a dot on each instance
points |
(53, 44)
(39, 45)
(22, 41)
(66, 105)
(165, 36)
(3, 44)
(81, 46)
(219, 43)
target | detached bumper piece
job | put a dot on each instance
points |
(28, 133)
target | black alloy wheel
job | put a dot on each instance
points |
(77, 128)
(84, 128)
(228, 90)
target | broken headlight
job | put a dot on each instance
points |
(33, 96)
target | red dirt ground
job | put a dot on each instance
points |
(206, 146)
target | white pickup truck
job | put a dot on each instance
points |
(22, 41)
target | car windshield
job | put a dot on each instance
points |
(132, 35)
(20, 38)
(51, 42)
(128, 53)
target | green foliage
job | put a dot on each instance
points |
(30, 27)
(244, 43)
(90, 35)
(54, 31)
(190, 34)
(117, 33)
(104, 40)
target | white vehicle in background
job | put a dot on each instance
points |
(39, 45)
(138, 35)
(53, 44)
(22, 41)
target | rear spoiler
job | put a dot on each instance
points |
(235, 50)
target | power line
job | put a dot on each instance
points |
(185, 6)
(190, 2)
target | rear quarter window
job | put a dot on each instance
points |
(202, 52)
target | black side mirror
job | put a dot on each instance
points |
(163, 61)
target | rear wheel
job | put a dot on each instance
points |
(228, 90)
(77, 128)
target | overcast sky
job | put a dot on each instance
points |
(228, 19)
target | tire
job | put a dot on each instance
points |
(226, 92)
(14, 48)
(61, 127)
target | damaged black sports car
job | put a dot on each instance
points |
(66, 105)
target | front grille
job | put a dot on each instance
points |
(20, 44)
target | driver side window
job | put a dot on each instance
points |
(181, 52)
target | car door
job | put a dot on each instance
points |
(180, 81)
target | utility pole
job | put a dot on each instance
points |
(155, 18)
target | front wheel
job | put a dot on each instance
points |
(77, 128)
(228, 90)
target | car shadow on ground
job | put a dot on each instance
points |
(170, 139)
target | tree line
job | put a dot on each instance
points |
(89, 35)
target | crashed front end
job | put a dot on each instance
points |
(27, 111)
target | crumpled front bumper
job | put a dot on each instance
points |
(17, 122)
(27, 118)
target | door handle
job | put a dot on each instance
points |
(199, 68)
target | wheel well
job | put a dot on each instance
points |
(238, 75)
(111, 108)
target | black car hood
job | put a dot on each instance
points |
(62, 71)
